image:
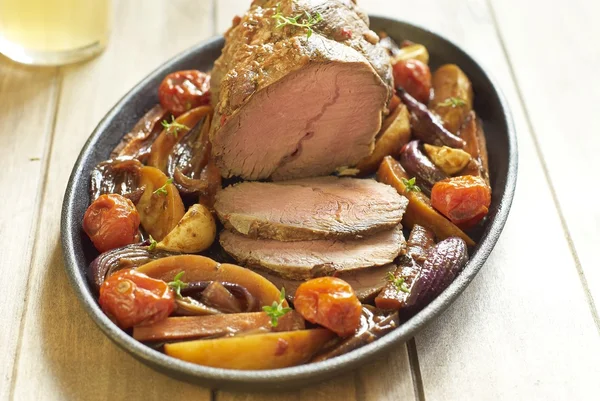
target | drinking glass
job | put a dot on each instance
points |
(53, 32)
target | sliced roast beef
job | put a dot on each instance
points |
(289, 104)
(312, 208)
(366, 283)
(306, 259)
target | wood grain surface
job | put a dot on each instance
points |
(27, 107)
(62, 357)
(527, 327)
(561, 94)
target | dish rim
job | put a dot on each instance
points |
(308, 372)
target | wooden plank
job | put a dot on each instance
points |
(522, 330)
(556, 66)
(367, 384)
(63, 355)
(338, 389)
(385, 379)
(27, 104)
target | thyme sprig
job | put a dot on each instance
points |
(411, 185)
(173, 127)
(152, 245)
(177, 285)
(163, 190)
(452, 102)
(277, 310)
(302, 20)
(398, 282)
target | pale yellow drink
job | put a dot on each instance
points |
(53, 31)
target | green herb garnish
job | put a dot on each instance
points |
(177, 285)
(163, 190)
(411, 185)
(399, 282)
(303, 20)
(452, 102)
(152, 245)
(277, 310)
(173, 127)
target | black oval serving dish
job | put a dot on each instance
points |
(78, 251)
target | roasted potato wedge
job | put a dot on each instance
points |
(447, 159)
(394, 134)
(414, 51)
(201, 268)
(195, 232)
(452, 96)
(419, 210)
(253, 352)
(160, 206)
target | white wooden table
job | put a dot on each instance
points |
(526, 329)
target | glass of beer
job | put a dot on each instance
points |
(53, 32)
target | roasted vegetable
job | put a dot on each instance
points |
(421, 284)
(190, 163)
(200, 268)
(374, 324)
(182, 91)
(412, 51)
(414, 77)
(195, 232)
(452, 96)
(426, 126)
(396, 293)
(131, 298)
(253, 352)
(219, 297)
(419, 242)
(394, 134)
(127, 257)
(472, 133)
(187, 306)
(211, 175)
(443, 263)
(172, 133)
(330, 302)
(419, 166)
(160, 206)
(226, 325)
(398, 289)
(224, 297)
(419, 210)
(111, 222)
(464, 200)
(116, 176)
(137, 143)
(449, 160)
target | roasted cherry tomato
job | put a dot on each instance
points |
(415, 77)
(182, 91)
(330, 302)
(131, 298)
(111, 221)
(463, 200)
